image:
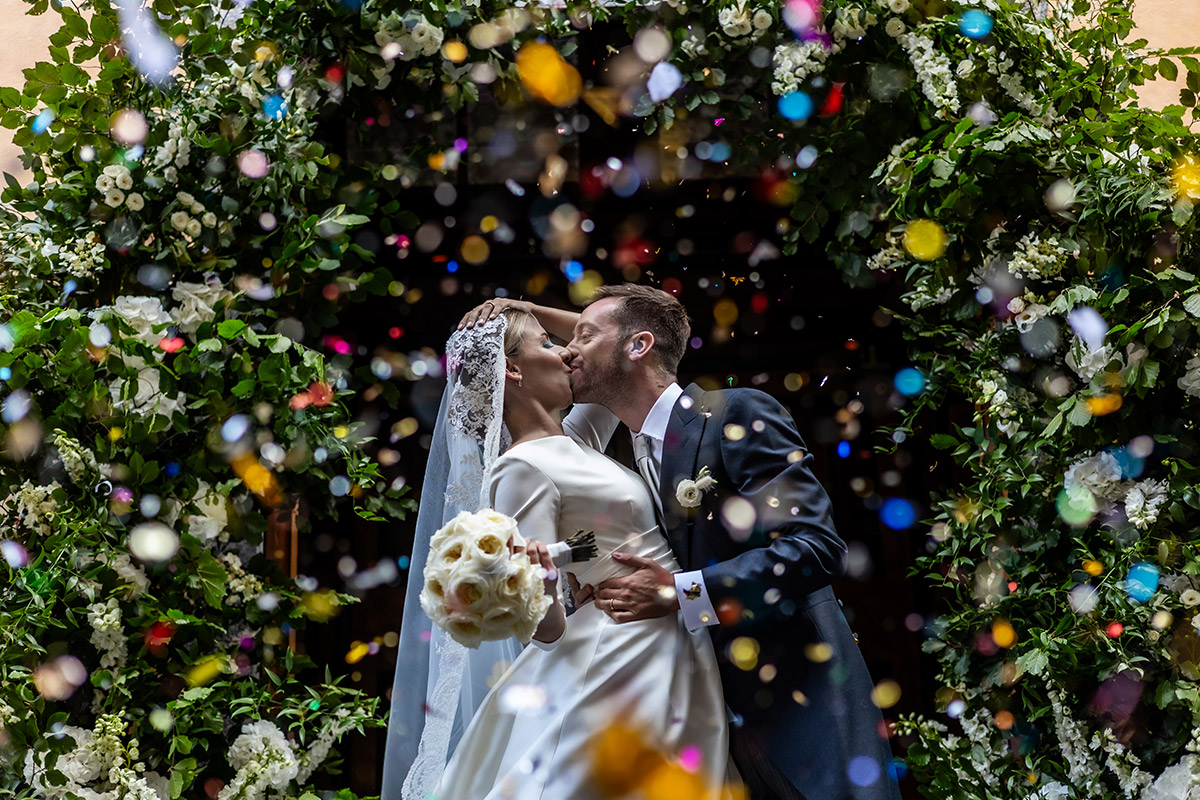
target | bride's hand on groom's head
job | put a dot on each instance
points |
(490, 309)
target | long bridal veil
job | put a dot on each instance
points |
(439, 683)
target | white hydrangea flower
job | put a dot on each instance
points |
(212, 522)
(264, 759)
(143, 314)
(1190, 382)
(1143, 501)
(148, 399)
(1100, 474)
(243, 586)
(196, 304)
(78, 461)
(794, 63)
(1086, 361)
(1036, 259)
(108, 635)
(34, 506)
(933, 70)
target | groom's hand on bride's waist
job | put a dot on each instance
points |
(646, 594)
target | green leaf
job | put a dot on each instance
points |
(1054, 425)
(231, 328)
(212, 577)
(943, 441)
(244, 387)
(1168, 69)
(1191, 304)
(1034, 661)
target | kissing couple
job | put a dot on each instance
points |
(705, 630)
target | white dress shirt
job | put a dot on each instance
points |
(697, 609)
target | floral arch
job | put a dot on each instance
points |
(172, 415)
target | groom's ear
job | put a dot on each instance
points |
(640, 345)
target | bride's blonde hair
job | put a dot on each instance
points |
(515, 332)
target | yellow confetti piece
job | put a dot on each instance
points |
(743, 652)
(1003, 633)
(320, 606)
(925, 240)
(1185, 178)
(1104, 404)
(547, 76)
(358, 651)
(115, 433)
(1093, 568)
(257, 478)
(886, 694)
(205, 671)
(725, 312)
(818, 653)
(474, 250)
(455, 51)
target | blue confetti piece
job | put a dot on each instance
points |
(42, 121)
(898, 514)
(573, 271)
(452, 267)
(975, 24)
(172, 470)
(5, 373)
(1142, 582)
(402, 562)
(863, 770)
(274, 106)
(843, 449)
(909, 381)
(796, 105)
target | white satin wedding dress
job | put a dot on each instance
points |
(533, 736)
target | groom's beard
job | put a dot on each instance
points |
(603, 384)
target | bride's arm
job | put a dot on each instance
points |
(558, 322)
(521, 490)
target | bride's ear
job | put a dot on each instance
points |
(511, 370)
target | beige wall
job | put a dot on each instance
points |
(1165, 23)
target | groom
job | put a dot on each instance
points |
(757, 548)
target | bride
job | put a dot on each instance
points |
(534, 735)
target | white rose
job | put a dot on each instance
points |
(196, 301)
(898, 6)
(148, 399)
(1031, 314)
(125, 181)
(688, 493)
(1016, 305)
(179, 220)
(736, 20)
(142, 314)
(1000, 397)
(185, 199)
(427, 37)
(1190, 598)
(197, 209)
(209, 219)
(135, 202)
(113, 171)
(1088, 362)
(114, 198)
(762, 20)
(895, 27)
(105, 183)
(193, 228)
(213, 518)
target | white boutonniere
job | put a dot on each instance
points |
(688, 492)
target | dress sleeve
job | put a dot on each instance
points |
(521, 490)
(591, 424)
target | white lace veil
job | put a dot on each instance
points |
(439, 683)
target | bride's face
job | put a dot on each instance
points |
(545, 376)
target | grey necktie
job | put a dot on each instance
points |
(643, 454)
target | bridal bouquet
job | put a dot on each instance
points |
(477, 591)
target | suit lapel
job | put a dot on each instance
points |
(681, 447)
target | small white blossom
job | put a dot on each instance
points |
(108, 635)
(794, 63)
(1142, 502)
(735, 20)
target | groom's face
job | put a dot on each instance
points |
(596, 354)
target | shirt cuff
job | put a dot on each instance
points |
(698, 611)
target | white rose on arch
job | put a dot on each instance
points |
(213, 520)
(143, 314)
(148, 399)
(736, 20)
(196, 304)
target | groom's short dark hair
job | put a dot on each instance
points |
(644, 308)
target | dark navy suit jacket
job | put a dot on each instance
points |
(805, 701)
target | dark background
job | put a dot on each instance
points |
(828, 352)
